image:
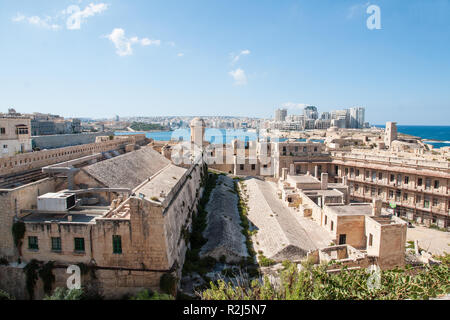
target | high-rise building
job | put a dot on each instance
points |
(357, 117)
(310, 113)
(280, 115)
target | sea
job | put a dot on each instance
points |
(438, 136)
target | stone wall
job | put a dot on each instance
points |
(34, 160)
(66, 140)
(12, 201)
(110, 284)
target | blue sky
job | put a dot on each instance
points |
(211, 57)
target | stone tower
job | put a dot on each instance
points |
(198, 127)
(390, 133)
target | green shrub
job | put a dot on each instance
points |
(65, 294)
(168, 284)
(146, 295)
(315, 283)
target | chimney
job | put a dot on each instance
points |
(324, 181)
(377, 204)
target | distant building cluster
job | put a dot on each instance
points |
(352, 118)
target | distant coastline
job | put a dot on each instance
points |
(438, 136)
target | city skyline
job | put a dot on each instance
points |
(166, 59)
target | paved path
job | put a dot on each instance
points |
(283, 233)
(434, 241)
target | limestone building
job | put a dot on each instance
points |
(123, 215)
(15, 134)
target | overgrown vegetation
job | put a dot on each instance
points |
(47, 276)
(5, 296)
(168, 284)
(18, 231)
(31, 272)
(193, 263)
(147, 295)
(36, 269)
(315, 283)
(142, 126)
(264, 261)
(66, 294)
(245, 223)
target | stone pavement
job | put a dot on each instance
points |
(282, 233)
(433, 241)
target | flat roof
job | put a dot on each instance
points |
(303, 179)
(163, 182)
(354, 209)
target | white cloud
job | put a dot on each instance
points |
(78, 16)
(124, 44)
(73, 15)
(148, 42)
(171, 43)
(45, 23)
(235, 58)
(292, 105)
(239, 77)
(181, 54)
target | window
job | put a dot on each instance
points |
(56, 244)
(253, 166)
(426, 203)
(370, 239)
(346, 171)
(2, 130)
(418, 199)
(374, 175)
(315, 149)
(33, 243)
(427, 184)
(392, 178)
(117, 244)
(419, 182)
(305, 149)
(405, 196)
(357, 172)
(336, 170)
(79, 244)
(241, 167)
(436, 184)
(22, 130)
(391, 194)
(326, 220)
(435, 202)
(342, 239)
(356, 187)
(332, 225)
(296, 149)
(367, 174)
(406, 179)
(5, 146)
(380, 176)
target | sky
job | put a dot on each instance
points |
(101, 58)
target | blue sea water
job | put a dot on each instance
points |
(211, 135)
(438, 136)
